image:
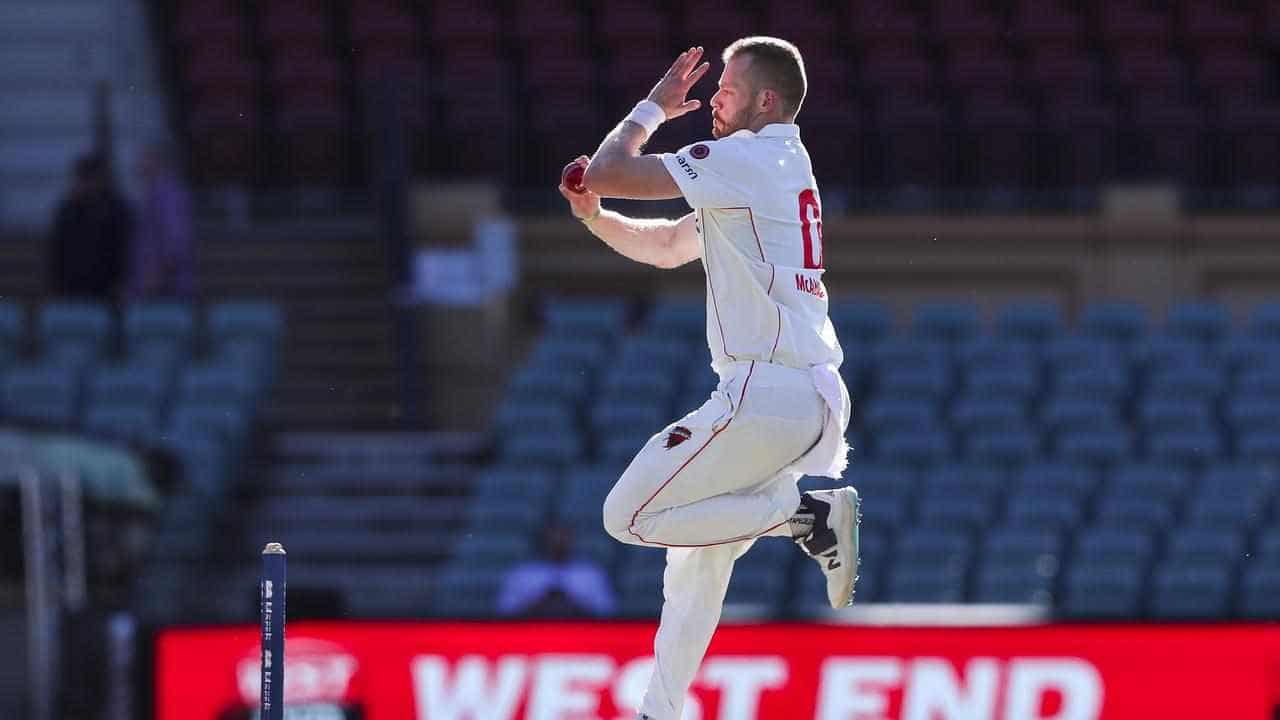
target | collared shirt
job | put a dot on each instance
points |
(759, 223)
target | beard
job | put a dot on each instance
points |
(725, 126)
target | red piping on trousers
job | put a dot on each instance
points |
(636, 514)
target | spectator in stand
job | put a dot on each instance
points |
(91, 229)
(556, 586)
(162, 263)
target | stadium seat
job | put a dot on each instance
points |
(515, 415)
(1265, 321)
(1103, 546)
(1239, 352)
(1190, 381)
(1261, 446)
(226, 422)
(675, 318)
(222, 383)
(760, 585)
(1260, 592)
(1191, 591)
(1249, 415)
(548, 384)
(128, 385)
(931, 548)
(42, 394)
(1101, 445)
(1185, 446)
(1218, 547)
(13, 331)
(1202, 321)
(930, 384)
(1032, 546)
(980, 412)
(1159, 353)
(257, 320)
(532, 484)
(73, 333)
(1153, 480)
(603, 317)
(1105, 383)
(900, 353)
(1061, 414)
(1015, 382)
(460, 583)
(1005, 447)
(945, 321)
(908, 584)
(1261, 382)
(956, 508)
(914, 448)
(158, 330)
(1117, 322)
(1034, 322)
(122, 422)
(510, 513)
(1013, 584)
(654, 383)
(566, 351)
(1081, 352)
(541, 446)
(643, 352)
(1122, 510)
(900, 414)
(1072, 479)
(1037, 508)
(1175, 414)
(1105, 592)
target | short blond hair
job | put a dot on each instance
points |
(775, 64)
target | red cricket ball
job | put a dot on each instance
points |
(571, 176)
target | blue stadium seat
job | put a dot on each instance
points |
(811, 594)
(1260, 592)
(637, 352)
(880, 478)
(1239, 353)
(909, 584)
(1265, 321)
(1100, 546)
(1104, 592)
(1205, 546)
(548, 384)
(1191, 591)
(996, 352)
(498, 546)
(1185, 446)
(511, 513)
(1261, 446)
(41, 394)
(1118, 322)
(13, 332)
(534, 485)
(594, 544)
(227, 422)
(128, 385)
(1019, 382)
(221, 383)
(1157, 480)
(1157, 353)
(757, 584)
(1122, 510)
(932, 548)
(875, 544)
(956, 508)
(900, 353)
(640, 582)
(1261, 382)
(1203, 321)
(899, 414)
(1033, 321)
(1190, 381)
(678, 318)
(1101, 445)
(640, 416)
(602, 317)
(460, 584)
(654, 384)
(129, 423)
(515, 415)
(914, 448)
(1035, 546)
(1076, 352)
(1253, 414)
(1018, 584)
(256, 320)
(1256, 482)
(981, 412)
(1102, 382)
(581, 353)
(949, 322)
(1078, 413)
(584, 489)
(159, 329)
(1042, 509)
(978, 478)
(1072, 479)
(74, 333)
(865, 322)
(1175, 413)
(614, 447)
(539, 446)
(1007, 447)
(884, 511)
(1216, 507)
(914, 384)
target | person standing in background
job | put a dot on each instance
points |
(162, 257)
(90, 238)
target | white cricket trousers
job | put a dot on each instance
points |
(704, 488)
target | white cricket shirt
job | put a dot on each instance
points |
(759, 221)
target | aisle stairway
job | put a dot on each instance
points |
(338, 363)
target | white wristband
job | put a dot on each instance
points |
(648, 115)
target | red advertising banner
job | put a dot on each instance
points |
(598, 671)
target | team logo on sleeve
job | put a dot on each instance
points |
(699, 151)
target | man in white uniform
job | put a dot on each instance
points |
(707, 485)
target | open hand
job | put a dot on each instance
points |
(671, 90)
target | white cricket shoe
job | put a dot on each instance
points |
(833, 544)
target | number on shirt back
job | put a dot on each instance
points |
(811, 226)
